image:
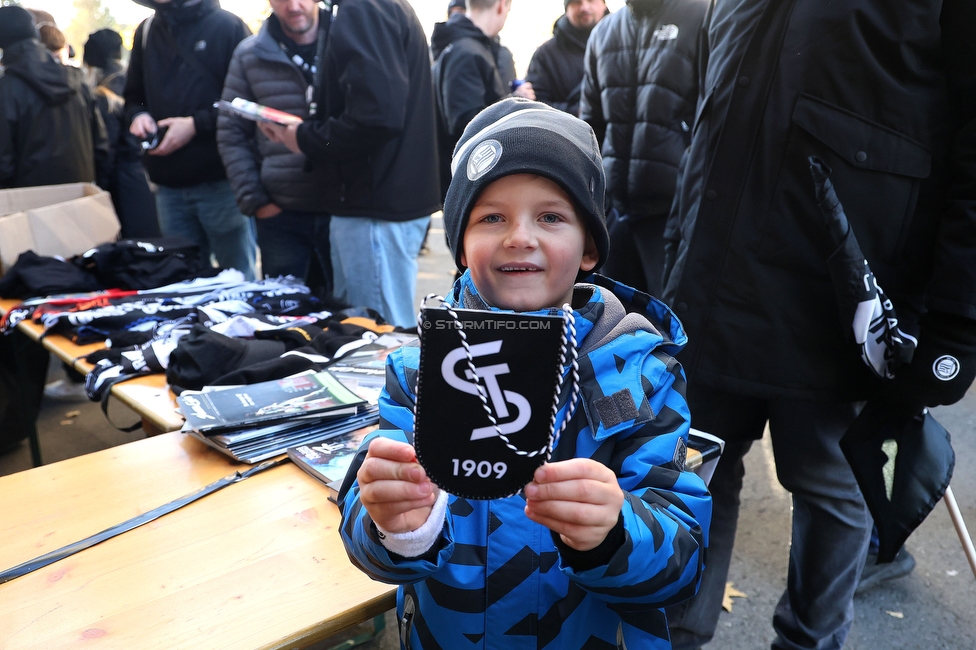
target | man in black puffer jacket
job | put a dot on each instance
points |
(556, 68)
(179, 60)
(276, 68)
(639, 93)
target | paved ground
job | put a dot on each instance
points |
(933, 608)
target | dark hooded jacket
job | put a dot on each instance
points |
(556, 68)
(467, 80)
(888, 101)
(639, 93)
(373, 139)
(163, 83)
(50, 129)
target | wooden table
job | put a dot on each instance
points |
(258, 564)
(149, 396)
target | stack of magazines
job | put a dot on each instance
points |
(259, 421)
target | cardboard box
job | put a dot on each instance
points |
(53, 220)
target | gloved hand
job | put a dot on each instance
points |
(941, 370)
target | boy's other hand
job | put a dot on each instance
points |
(579, 499)
(394, 488)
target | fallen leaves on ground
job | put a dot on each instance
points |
(730, 593)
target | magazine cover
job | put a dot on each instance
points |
(239, 406)
(328, 460)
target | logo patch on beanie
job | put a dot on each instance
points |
(946, 368)
(484, 157)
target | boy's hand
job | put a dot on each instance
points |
(394, 488)
(578, 498)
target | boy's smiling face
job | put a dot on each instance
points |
(525, 244)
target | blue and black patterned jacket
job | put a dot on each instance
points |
(496, 580)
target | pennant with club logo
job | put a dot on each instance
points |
(487, 388)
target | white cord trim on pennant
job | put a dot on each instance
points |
(567, 342)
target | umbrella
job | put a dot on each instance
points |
(874, 325)
(902, 467)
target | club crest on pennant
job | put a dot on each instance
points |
(486, 387)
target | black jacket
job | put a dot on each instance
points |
(467, 79)
(50, 129)
(889, 102)
(373, 137)
(466, 74)
(556, 68)
(259, 170)
(123, 146)
(639, 93)
(161, 82)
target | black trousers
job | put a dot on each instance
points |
(23, 369)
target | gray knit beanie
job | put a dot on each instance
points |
(519, 136)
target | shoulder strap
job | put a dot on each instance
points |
(145, 31)
(187, 56)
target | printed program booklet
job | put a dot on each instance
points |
(256, 444)
(236, 407)
(257, 112)
(328, 460)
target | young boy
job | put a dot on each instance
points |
(611, 529)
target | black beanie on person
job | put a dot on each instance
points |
(16, 25)
(456, 4)
(520, 136)
(101, 47)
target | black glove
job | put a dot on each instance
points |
(942, 368)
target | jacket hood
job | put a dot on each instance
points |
(612, 310)
(181, 10)
(30, 61)
(643, 8)
(569, 34)
(457, 27)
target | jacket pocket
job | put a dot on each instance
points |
(876, 171)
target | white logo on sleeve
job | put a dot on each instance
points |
(484, 157)
(500, 399)
(946, 367)
(666, 33)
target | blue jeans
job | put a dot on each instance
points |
(831, 524)
(290, 240)
(374, 264)
(207, 214)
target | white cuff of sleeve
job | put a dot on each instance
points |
(417, 542)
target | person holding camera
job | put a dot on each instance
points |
(180, 57)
